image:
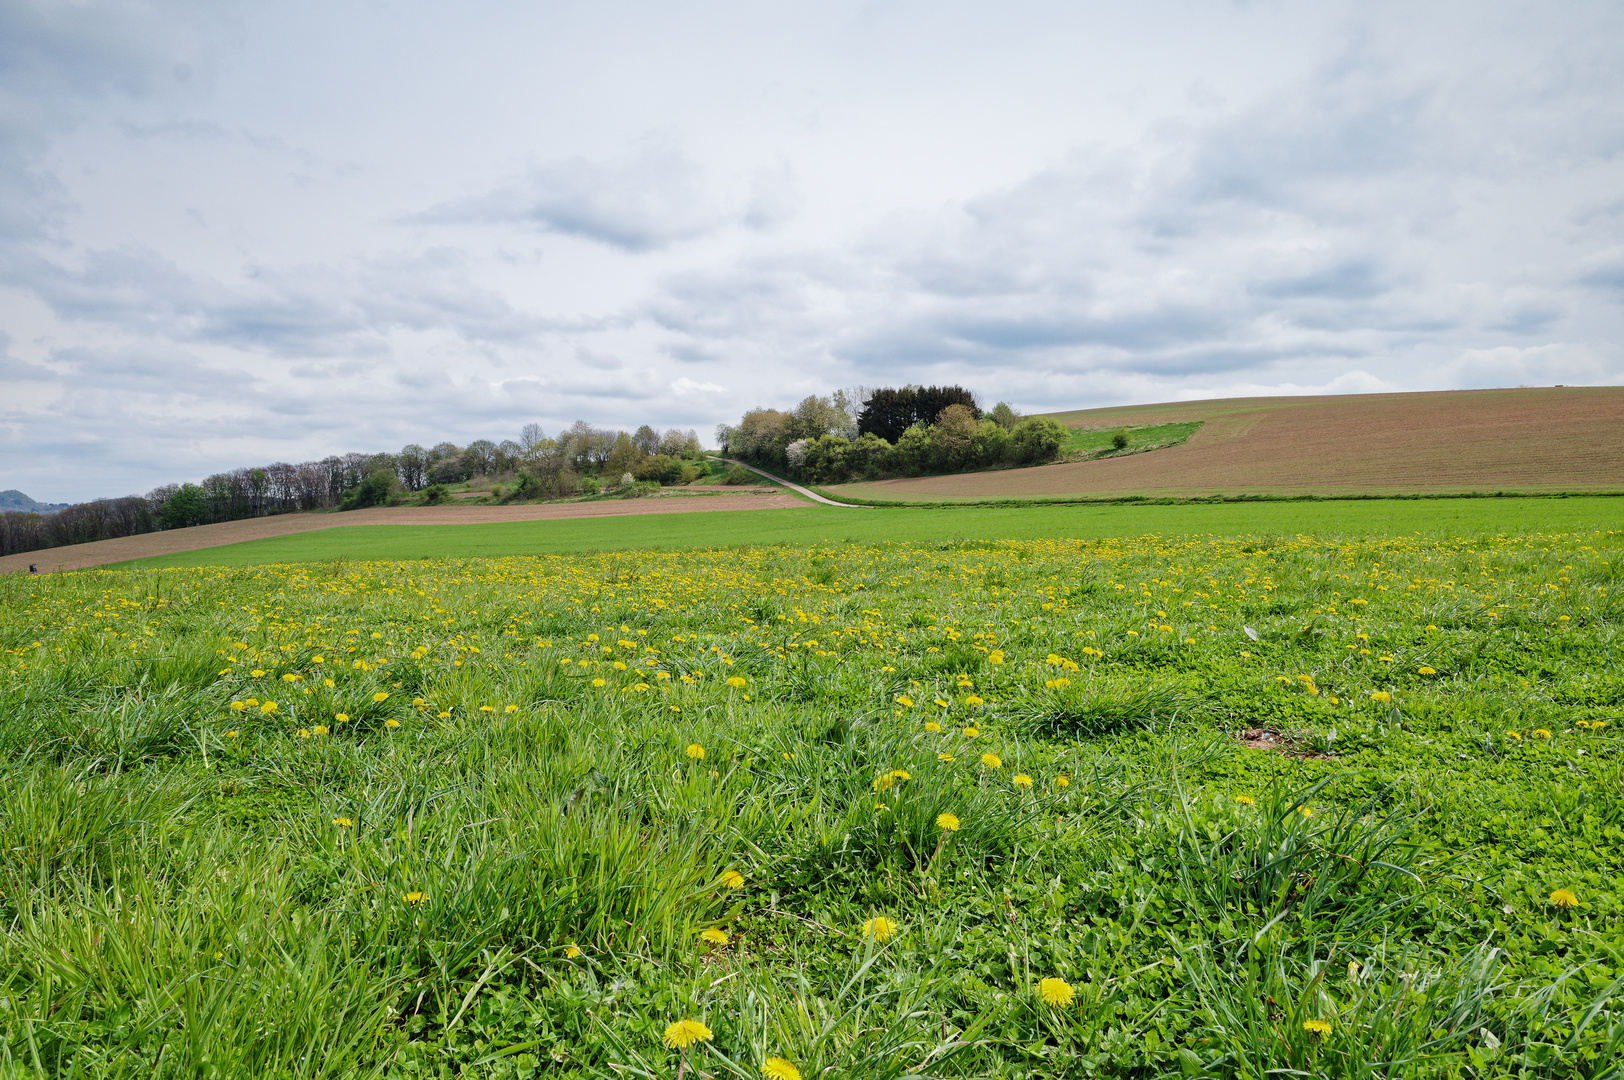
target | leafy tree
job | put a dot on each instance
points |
(187, 506)
(890, 412)
(1005, 416)
(952, 438)
(647, 440)
(375, 490)
(1038, 439)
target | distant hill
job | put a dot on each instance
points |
(16, 500)
(1568, 439)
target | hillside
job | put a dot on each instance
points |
(13, 499)
(1524, 440)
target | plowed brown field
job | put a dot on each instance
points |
(102, 552)
(1527, 440)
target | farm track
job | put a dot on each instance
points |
(1524, 440)
(102, 552)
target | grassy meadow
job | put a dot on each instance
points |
(959, 804)
(814, 524)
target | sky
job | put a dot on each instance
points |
(233, 233)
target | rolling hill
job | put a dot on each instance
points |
(1547, 439)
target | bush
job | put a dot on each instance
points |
(738, 474)
(662, 469)
(375, 490)
(638, 489)
(590, 485)
(1038, 439)
(1120, 439)
(435, 494)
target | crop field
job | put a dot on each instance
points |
(1565, 439)
(1177, 806)
(809, 524)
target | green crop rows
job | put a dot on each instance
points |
(1164, 806)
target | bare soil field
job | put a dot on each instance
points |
(102, 552)
(1525, 440)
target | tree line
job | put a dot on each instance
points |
(543, 467)
(871, 434)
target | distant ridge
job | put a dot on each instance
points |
(16, 500)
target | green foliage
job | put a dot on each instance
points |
(375, 490)
(738, 474)
(1038, 439)
(187, 506)
(436, 494)
(1120, 439)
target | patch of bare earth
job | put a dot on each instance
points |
(1279, 743)
(102, 552)
(1526, 440)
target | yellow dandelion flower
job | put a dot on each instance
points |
(942, 703)
(343, 822)
(776, 1068)
(1062, 781)
(320, 729)
(736, 681)
(1056, 992)
(995, 657)
(1514, 735)
(1541, 733)
(945, 759)
(487, 708)
(932, 726)
(732, 879)
(992, 761)
(1424, 670)
(341, 718)
(571, 952)
(947, 822)
(391, 723)
(1381, 695)
(600, 682)
(304, 733)
(1321, 1028)
(904, 700)
(971, 732)
(269, 708)
(695, 752)
(971, 699)
(1245, 800)
(713, 937)
(1021, 780)
(380, 696)
(257, 673)
(414, 898)
(1564, 898)
(231, 734)
(879, 928)
(237, 706)
(685, 1033)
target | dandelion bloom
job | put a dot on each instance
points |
(237, 706)
(713, 937)
(685, 1033)
(1305, 811)
(776, 1068)
(343, 822)
(971, 732)
(1563, 898)
(735, 681)
(1424, 670)
(972, 700)
(695, 752)
(414, 898)
(391, 723)
(932, 726)
(947, 822)
(945, 759)
(904, 700)
(1021, 780)
(320, 729)
(996, 656)
(732, 879)
(992, 761)
(1541, 733)
(487, 708)
(571, 952)
(1353, 969)
(257, 673)
(1321, 1028)
(1245, 800)
(231, 734)
(380, 696)
(1514, 735)
(304, 733)
(1381, 695)
(1062, 781)
(879, 928)
(1056, 992)
(341, 718)
(269, 708)
(599, 682)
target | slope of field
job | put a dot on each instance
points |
(1470, 518)
(169, 542)
(1547, 439)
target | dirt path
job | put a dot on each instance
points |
(792, 485)
(78, 556)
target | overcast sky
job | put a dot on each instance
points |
(237, 233)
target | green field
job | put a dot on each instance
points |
(813, 524)
(1144, 437)
(884, 794)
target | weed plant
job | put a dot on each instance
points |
(1166, 807)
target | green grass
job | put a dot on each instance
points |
(470, 817)
(812, 524)
(1144, 437)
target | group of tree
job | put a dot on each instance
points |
(906, 431)
(537, 466)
